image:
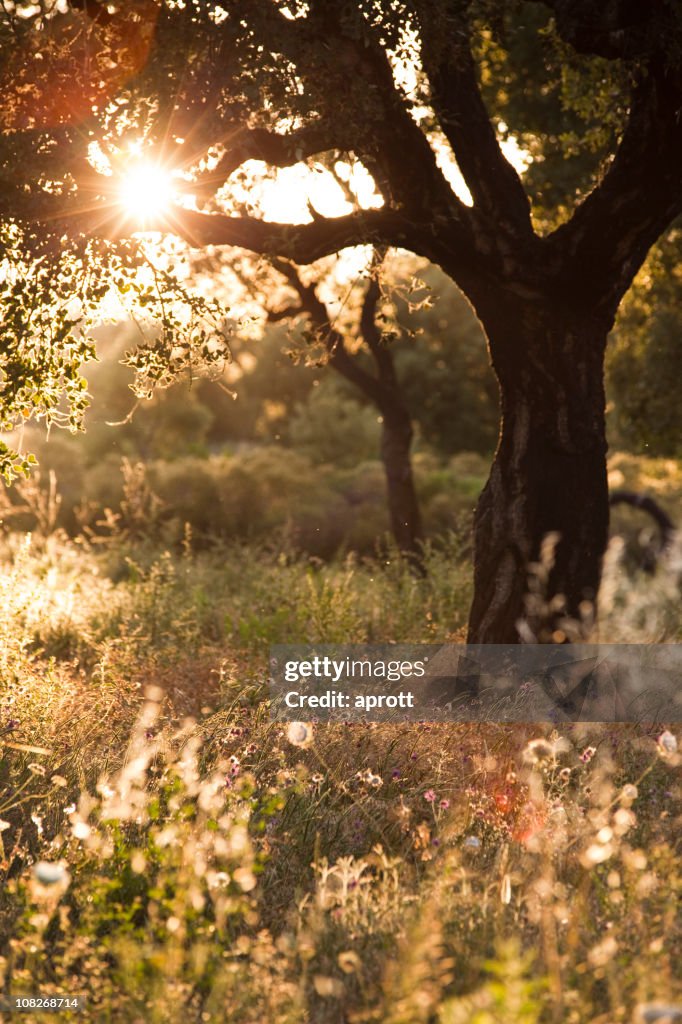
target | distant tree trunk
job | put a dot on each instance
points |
(403, 504)
(547, 497)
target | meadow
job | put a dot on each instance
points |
(172, 855)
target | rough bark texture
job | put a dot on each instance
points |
(546, 501)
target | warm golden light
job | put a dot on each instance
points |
(146, 191)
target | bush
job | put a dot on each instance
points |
(331, 427)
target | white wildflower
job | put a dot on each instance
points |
(300, 734)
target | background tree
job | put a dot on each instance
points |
(382, 388)
(393, 83)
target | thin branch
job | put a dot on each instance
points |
(381, 390)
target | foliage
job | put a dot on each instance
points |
(260, 493)
(645, 355)
(51, 299)
(443, 365)
(333, 427)
(565, 110)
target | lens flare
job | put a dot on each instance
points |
(146, 192)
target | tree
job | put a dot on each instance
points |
(393, 83)
(382, 388)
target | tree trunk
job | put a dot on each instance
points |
(403, 505)
(541, 524)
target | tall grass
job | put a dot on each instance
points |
(172, 854)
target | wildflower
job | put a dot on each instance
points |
(667, 744)
(537, 750)
(502, 802)
(300, 734)
(48, 874)
(245, 879)
(444, 804)
(596, 854)
(529, 821)
(58, 780)
(587, 754)
(349, 962)
(635, 859)
(395, 774)
(430, 796)
(565, 774)
(4, 825)
(628, 793)
(623, 820)
(374, 780)
(472, 843)
(328, 987)
(138, 862)
(603, 952)
(81, 830)
(36, 769)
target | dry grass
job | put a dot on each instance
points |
(209, 869)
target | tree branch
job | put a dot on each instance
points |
(612, 230)
(340, 55)
(301, 243)
(273, 148)
(371, 335)
(339, 357)
(495, 186)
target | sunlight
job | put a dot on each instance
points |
(146, 191)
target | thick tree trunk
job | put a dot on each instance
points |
(403, 505)
(541, 525)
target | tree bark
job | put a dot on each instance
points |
(541, 524)
(403, 504)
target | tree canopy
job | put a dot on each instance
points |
(415, 93)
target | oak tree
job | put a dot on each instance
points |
(406, 88)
